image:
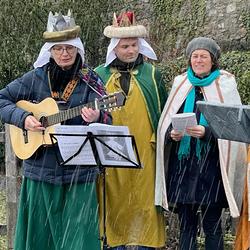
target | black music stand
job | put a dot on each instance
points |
(230, 122)
(93, 139)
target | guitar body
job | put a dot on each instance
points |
(25, 146)
(22, 149)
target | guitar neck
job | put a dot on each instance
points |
(69, 113)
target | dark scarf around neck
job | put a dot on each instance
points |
(124, 69)
(59, 78)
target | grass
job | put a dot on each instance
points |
(3, 238)
(173, 233)
(228, 242)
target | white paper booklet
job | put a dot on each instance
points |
(108, 134)
(183, 120)
(69, 145)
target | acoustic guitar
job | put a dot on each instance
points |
(25, 142)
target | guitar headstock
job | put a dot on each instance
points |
(111, 101)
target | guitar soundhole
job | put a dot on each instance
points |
(44, 121)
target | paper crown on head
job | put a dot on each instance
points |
(61, 28)
(124, 26)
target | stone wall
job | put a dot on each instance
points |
(227, 21)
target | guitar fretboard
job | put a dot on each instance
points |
(69, 113)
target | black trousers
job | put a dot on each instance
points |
(211, 223)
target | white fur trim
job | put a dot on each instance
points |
(125, 32)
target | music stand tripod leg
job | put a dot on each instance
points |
(103, 174)
(104, 237)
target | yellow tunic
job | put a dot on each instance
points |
(132, 218)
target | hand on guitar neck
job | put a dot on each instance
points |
(88, 115)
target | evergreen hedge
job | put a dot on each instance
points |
(23, 22)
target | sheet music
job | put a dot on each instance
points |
(181, 121)
(122, 145)
(69, 145)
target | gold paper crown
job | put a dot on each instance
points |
(125, 26)
(61, 28)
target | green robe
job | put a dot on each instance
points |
(132, 218)
(57, 217)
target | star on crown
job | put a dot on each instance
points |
(58, 22)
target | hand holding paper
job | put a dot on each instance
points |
(181, 122)
(197, 131)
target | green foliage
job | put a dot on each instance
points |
(238, 63)
(22, 24)
(246, 20)
(2, 208)
(166, 15)
(3, 238)
(228, 242)
(3, 242)
(235, 62)
(172, 68)
(177, 21)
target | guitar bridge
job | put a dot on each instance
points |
(25, 136)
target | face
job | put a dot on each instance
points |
(64, 55)
(201, 62)
(127, 50)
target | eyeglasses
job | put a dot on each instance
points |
(59, 49)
